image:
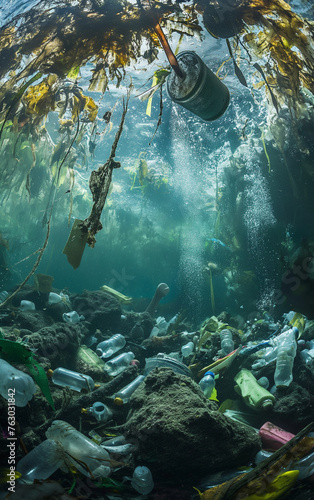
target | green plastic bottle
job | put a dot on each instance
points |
(253, 394)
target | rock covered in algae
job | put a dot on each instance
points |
(99, 308)
(58, 343)
(180, 435)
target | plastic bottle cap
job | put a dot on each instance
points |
(49, 372)
(267, 403)
(118, 401)
(210, 373)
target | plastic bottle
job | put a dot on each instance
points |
(27, 305)
(227, 344)
(307, 355)
(55, 298)
(253, 394)
(68, 378)
(264, 382)
(108, 347)
(187, 349)
(15, 385)
(119, 363)
(142, 480)
(72, 317)
(269, 355)
(41, 462)
(123, 396)
(100, 411)
(207, 384)
(95, 460)
(285, 358)
(3, 296)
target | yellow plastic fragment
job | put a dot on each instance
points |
(278, 487)
(149, 103)
(115, 293)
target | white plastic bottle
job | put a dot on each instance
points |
(15, 385)
(76, 381)
(108, 347)
(41, 462)
(227, 344)
(119, 363)
(207, 383)
(142, 480)
(285, 357)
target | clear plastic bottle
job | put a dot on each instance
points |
(41, 462)
(15, 385)
(142, 480)
(68, 378)
(227, 344)
(108, 347)
(285, 358)
(207, 383)
(307, 356)
(80, 449)
(119, 363)
(123, 396)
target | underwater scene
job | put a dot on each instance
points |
(156, 249)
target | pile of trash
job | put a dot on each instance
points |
(145, 408)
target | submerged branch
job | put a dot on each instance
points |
(30, 274)
(99, 184)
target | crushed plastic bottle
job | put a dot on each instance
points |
(252, 393)
(307, 355)
(80, 449)
(285, 357)
(187, 349)
(15, 385)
